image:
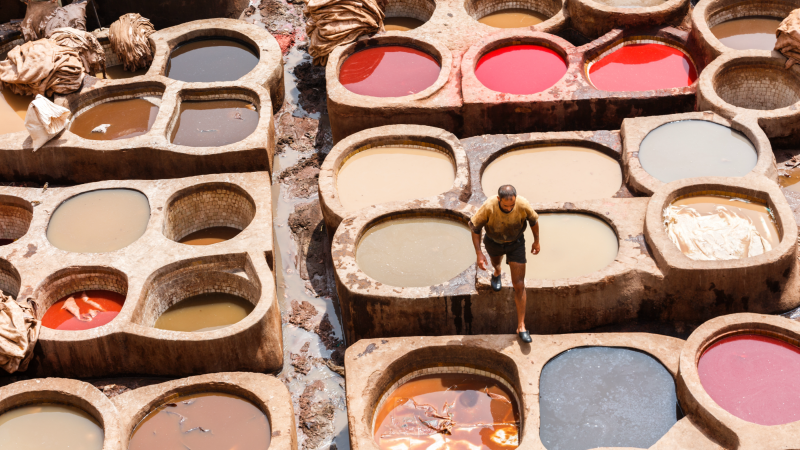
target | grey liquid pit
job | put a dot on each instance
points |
(605, 397)
(211, 60)
(213, 123)
(696, 148)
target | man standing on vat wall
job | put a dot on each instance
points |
(505, 218)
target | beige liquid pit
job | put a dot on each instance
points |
(49, 427)
(558, 173)
(210, 236)
(420, 251)
(756, 212)
(512, 18)
(401, 23)
(572, 245)
(204, 312)
(13, 108)
(386, 174)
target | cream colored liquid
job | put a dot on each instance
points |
(204, 312)
(512, 18)
(572, 245)
(748, 33)
(119, 73)
(756, 212)
(99, 221)
(401, 23)
(49, 427)
(13, 108)
(421, 251)
(549, 174)
(387, 174)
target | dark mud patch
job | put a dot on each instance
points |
(316, 417)
(311, 84)
(308, 227)
(301, 179)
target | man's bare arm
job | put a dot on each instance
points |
(535, 248)
(476, 242)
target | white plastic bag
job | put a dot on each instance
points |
(44, 120)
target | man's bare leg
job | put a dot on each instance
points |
(496, 262)
(518, 280)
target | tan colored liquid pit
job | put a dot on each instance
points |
(49, 427)
(419, 251)
(99, 221)
(204, 312)
(127, 119)
(213, 123)
(572, 245)
(401, 23)
(13, 109)
(748, 33)
(558, 173)
(210, 236)
(513, 18)
(756, 212)
(386, 174)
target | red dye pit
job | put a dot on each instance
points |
(106, 306)
(520, 69)
(643, 67)
(391, 71)
(754, 378)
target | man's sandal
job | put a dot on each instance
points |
(525, 336)
(496, 283)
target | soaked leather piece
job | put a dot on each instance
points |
(130, 40)
(19, 331)
(337, 22)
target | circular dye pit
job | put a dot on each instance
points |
(124, 119)
(716, 227)
(642, 67)
(207, 421)
(753, 377)
(210, 60)
(572, 245)
(49, 427)
(520, 69)
(13, 109)
(83, 310)
(696, 148)
(390, 71)
(748, 33)
(213, 123)
(204, 312)
(513, 18)
(392, 173)
(557, 173)
(99, 221)
(413, 252)
(483, 411)
(210, 236)
(605, 397)
(401, 23)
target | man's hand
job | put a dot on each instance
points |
(481, 261)
(535, 248)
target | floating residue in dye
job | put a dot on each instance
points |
(448, 411)
(119, 73)
(520, 69)
(714, 227)
(643, 67)
(513, 18)
(210, 60)
(213, 123)
(696, 148)
(753, 377)
(385, 174)
(401, 23)
(127, 119)
(748, 33)
(99, 221)
(420, 251)
(210, 236)
(390, 71)
(49, 427)
(207, 421)
(13, 109)
(572, 245)
(83, 310)
(204, 312)
(605, 397)
(557, 173)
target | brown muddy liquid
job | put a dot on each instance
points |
(207, 421)
(484, 413)
(401, 23)
(99, 221)
(211, 60)
(214, 123)
(792, 182)
(756, 212)
(204, 312)
(512, 18)
(387, 174)
(119, 73)
(210, 236)
(572, 245)
(128, 118)
(748, 33)
(13, 108)
(420, 251)
(49, 427)
(558, 173)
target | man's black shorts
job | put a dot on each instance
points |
(514, 251)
